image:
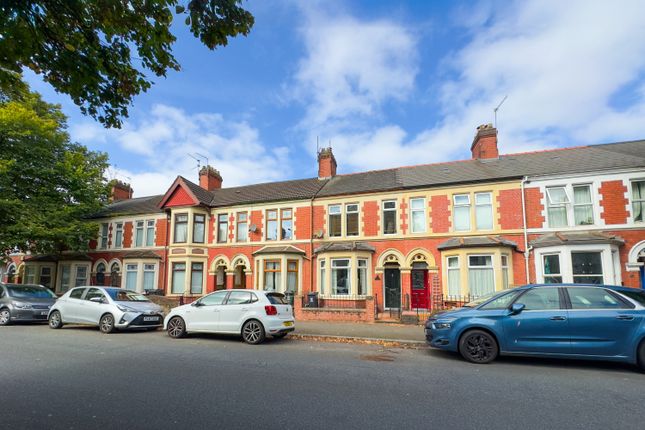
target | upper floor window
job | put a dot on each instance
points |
(418, 215)
(561, 209)
(181, 228)
(335, 220)
(484, 211)
(242, 227)
(199, 228)
(139, 233)
(461, 212)
(582, 205)
(389, 217)
(272, 225)
(150, 232)
(222, 228)
(351, 219)
(557, 201)
(286, 224)
(104, 236)
(638, 200)
(118, 235)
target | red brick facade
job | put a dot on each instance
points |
(534, 208)
(440, 214)
(613, 202)
(509, 209)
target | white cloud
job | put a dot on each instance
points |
(560, 63)
(164, 139)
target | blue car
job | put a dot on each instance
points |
(600, 322)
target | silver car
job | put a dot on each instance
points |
(23, 302)
(108, 308)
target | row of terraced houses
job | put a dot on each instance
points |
(407, 238)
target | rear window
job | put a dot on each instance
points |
(638, 296)
(77, 293)
(29, 292)
(126, 296)
(277, 299)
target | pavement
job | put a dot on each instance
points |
(365, 332)
(78, 378)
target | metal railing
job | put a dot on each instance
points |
(345, 302)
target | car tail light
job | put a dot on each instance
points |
(271, 310)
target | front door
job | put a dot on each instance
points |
(419, 289)
(392, 289)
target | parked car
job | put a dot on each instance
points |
(251, 314)
(598, 322)
(24, 302)
(108, 308)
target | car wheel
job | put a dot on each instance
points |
(253, 332)
(55, 320)
(106, 325)
(176, 328)
(478, 346)
(5, 316)
(641, 356)
(280, 335)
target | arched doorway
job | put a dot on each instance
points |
(419, 288)
(392, 286)
(239, 277)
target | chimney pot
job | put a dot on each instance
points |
(120, 191)
(326, 164)
(210, 178)
(485, 143)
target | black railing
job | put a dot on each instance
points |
(349, 302)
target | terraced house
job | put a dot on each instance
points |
(371, 243)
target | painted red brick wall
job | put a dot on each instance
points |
(404, 216)
(632, 237)
(319, 219)
(440, 214)
(613, 202)
(370, 218)
(256, 218)
(302, 227)
(509, 209)
(231, 227)
(161, 236)
(180, 198)
(127, 234)
(534, 207)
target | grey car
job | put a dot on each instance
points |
(23, 302)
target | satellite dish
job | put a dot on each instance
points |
(253, 228)
(318, 234)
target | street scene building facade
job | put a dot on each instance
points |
(403, 239)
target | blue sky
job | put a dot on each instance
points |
(388, 84)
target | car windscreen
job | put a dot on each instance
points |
(29, 292)
(126, 296)
(277, 299)
(636, 295)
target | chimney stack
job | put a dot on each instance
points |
(120, 191)
(326, 164)
(210, 179)
(485, 143)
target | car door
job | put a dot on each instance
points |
(71, 306)
(235, 311)
(601, 322)
(92, 311)
(204, 314)
(542, 327)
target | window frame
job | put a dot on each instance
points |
(340, 219)
(139, 233)
(457, 269)
(282, 225)
(551, 204)
(346, 216)
(333, 292)
(590, 204)
(118, 235)
(192, 277)
(220, 232)
(478, 205)
(296, 271)
(150, 233)
(239, 223)
(275, 220)
(173, 269)
(104, 235)
(177, 223)
(278, 270)
(413, 211)
(491, 268)
(383, 212)
(633, 201)
(551, 275)
(461, 205)
(596, 275)
(203, 224)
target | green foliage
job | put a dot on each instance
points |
(48, 185)
(98, 51)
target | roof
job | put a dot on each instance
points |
(344, 246)
(284, 249)
(139, 205)
(141, 255)
(576, 238)
(72, 256)
(475, 241)
(610, 156)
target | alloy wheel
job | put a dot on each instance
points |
(479, 347)
(253, 332)
(55, 320)
(107, 324)
(176, 327)
(5, 317)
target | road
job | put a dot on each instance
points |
(78, 378)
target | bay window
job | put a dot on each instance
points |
(180, 235)
(81, 276)
(323, 277)
(578, 264)
(272, 225)
(481, 276)
(149, 276)
(582, 205)
(461, 212)
(30, 274)
(587, 267)
(131, 271)
(389, 217)
(638, 201)
(286, 224)
(199, 228)
(118, 235)
(551, 269)
(484, 211)
(505, 278)
(362, 277)
(454, 276)
(242, 227)
(196, 278)
(178, 278)
(272, 275)
(335, 221)
(340, 276)
(222, 228)
(65, 275)
(292, 276)
(418, 215)
(351, 219)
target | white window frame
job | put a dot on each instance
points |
(346, 224)
(506, 280)
(632, 201)
(491, 267)
(395, 209)
(610, 274)
(456, 269)
(277, 225)
(489, 205)
(142, 234)
(150, 233)
(218, 238)
(350, 287)
(335, 209)
(322, 283)
(118, 228)
(104, 235)
(461, 205)
(238, 224)
(422, 210)
(574, 204)
(551, 275)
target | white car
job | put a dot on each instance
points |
(106, 307)
(249, 313)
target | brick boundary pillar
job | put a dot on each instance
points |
(230, 279)
(370, 312)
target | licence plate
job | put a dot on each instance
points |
(288, 323)
(151, 318)
(44, 313)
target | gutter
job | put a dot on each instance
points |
(527, 250)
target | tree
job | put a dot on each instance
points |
(48, 185)
(99, 51)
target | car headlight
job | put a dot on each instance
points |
(442, 325)
(21, 305)
(125, 308)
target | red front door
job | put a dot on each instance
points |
(419, 289)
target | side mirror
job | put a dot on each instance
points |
(97, 300)
(197, 304)
(517, 308)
